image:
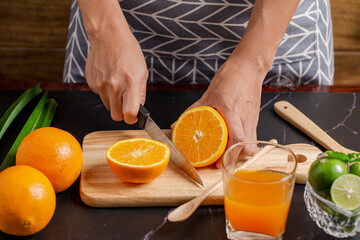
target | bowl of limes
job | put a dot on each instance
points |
(332, 193)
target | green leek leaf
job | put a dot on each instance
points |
(30, 125)
(47, 114)
(16, 108)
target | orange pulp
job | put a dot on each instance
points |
(259, 202)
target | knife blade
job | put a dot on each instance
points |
(154, 131)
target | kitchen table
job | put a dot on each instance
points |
(335, 109)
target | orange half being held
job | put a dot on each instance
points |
(201, 135)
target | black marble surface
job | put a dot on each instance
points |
(81, 112)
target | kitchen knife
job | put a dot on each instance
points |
(153, 130)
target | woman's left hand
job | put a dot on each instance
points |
(235, 92)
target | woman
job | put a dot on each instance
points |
(235, 46)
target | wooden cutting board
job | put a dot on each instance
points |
(99, 186)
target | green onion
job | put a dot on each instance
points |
(47, 114)
(16, 107)
(42, 114)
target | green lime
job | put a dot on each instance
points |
(327, 209)
(355, 168)
(324, 171)
(345, 192)
(325, 193)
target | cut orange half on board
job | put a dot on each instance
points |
(138, 160)
(201, 135)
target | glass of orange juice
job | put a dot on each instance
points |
(258, 181)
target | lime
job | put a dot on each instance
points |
(355, 168)
(324, 171)
(325, 193)
(327, 209)
(345, 192)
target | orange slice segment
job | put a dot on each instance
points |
(138, 160)
(201, 135)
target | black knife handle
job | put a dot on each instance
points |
(142, 115)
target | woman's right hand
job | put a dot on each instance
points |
(116, 70)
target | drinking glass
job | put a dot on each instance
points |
(258, 181)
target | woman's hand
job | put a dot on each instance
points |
(234, 95)
(116, 70)
(235, 92)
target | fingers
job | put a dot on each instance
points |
(235, 137)
(239, 132)
(218, 163)
(131, 103)
(122, 101)
(116, 107)
(143, 90)
(132, 98)
(111, 95)
(241, 128)
(236, 131)
(105, 100)
(120, 96)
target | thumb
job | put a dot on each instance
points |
(143, 92)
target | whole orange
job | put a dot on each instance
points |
(54, 152)
(27, 201)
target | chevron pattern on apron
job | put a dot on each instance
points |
(186, 41)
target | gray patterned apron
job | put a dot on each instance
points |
(186, 41)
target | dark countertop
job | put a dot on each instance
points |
(81, 112)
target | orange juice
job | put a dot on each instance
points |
(258, 201)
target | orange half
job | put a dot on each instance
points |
(201, 135)
(138, 160)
